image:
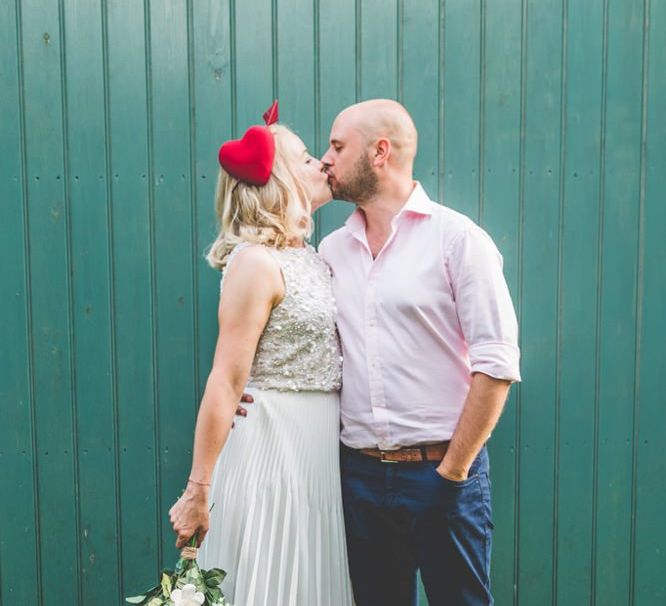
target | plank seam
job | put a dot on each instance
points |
(564, 53)
(274, 49)
(153, 295)
(399, 48)
(316, 16)
(599, 272)
(28, 302)
(441, 131)
(64, 113)
(358, 41)
(640, 285)
(194, 224)
(482, 111)
(232, 63)
(520, 285)
(112, 293)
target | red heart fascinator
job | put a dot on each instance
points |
(250, 159)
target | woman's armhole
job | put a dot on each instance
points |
(245, 246)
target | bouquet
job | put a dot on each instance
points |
(187, 585)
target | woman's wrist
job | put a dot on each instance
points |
(197, 489)
(192, 480)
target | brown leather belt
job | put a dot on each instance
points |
(408, 454)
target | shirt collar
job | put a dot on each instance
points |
(417, 203)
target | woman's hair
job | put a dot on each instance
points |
(271, 214)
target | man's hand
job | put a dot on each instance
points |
(246, 398)
(189, 515)
(480, 414)
(451, 474)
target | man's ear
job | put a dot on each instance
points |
(382, 151)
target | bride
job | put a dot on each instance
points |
(277, 524)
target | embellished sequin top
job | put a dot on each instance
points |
(299, 349)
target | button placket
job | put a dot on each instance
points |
(377, 400)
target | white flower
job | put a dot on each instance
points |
(188, 596)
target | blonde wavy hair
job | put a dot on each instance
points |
(273, 214)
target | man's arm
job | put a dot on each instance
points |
(488, 323)
(480, 414)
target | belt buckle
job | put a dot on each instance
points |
(383, 459)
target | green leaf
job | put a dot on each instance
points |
(166, 585)
(194, 576)
(213, 594)
(214, 577)
(145, 598)
(184, 565)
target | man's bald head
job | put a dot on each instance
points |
(379, 118)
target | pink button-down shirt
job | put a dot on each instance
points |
(416, 322)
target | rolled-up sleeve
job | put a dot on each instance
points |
(483, 304)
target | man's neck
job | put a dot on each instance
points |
(380, 210)
(386, 204)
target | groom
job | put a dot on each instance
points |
(429, 340)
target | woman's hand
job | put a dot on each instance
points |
(189, 515)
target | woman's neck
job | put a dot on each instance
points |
(296, 243)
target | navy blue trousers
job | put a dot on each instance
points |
(404, 517)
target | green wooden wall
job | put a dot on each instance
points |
(541, 119)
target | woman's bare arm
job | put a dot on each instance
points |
(252, 288)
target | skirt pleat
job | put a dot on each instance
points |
(277, 524)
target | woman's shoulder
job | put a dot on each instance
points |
(249, 264)
(253, 258)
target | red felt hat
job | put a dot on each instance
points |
(250, 159)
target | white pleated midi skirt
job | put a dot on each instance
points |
(277, 524)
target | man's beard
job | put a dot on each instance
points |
(361, 185)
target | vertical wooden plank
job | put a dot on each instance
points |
(173, 225)
(420, 76)
(297, 62)
(19, 557)
(43, 41)
(212, 78)
(132, 303)
(378, 52)
(92, 320)
(650, 563)
(461, 105)
(577, 384)
(337, 87)
(539, 299)
(296, 67)
(618, 302)
(253, 43)
(500, 196)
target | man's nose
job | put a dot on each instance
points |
(326, 160)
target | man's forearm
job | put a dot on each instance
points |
(480, 414)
